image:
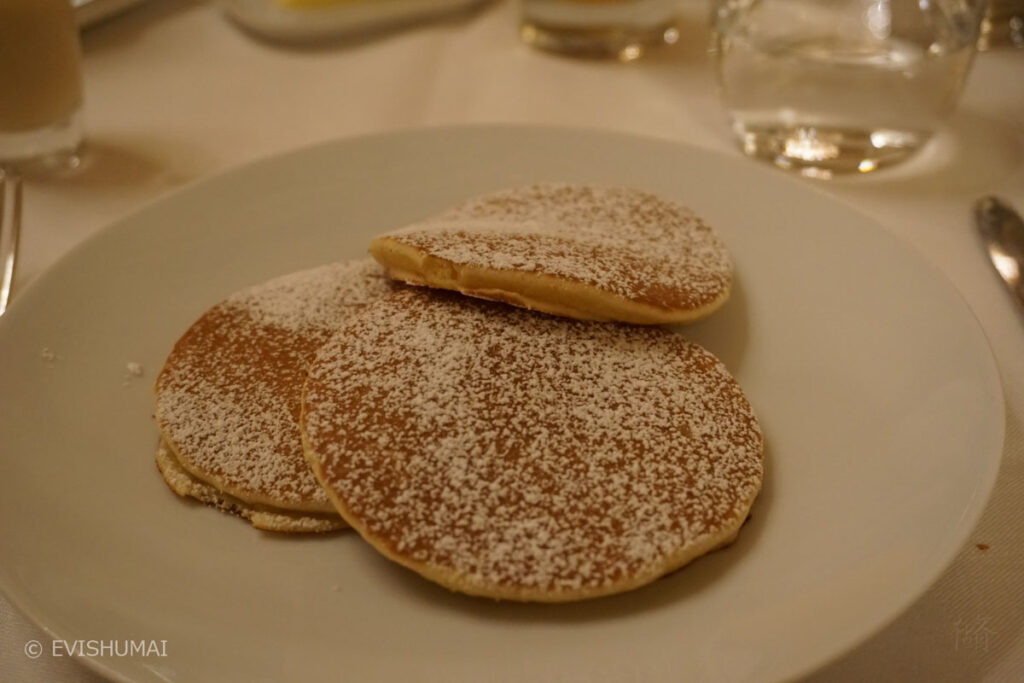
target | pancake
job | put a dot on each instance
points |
(261, 517)
(508, 454)
(229, 394)
(571, 250)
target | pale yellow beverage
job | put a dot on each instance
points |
(40, 78)
(623, 29)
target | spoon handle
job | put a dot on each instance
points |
(1002, 231)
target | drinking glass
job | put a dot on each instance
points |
(841, 86)
(622, 29)
(40, 82)
(1003, 25)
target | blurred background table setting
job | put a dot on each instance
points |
(885, 107)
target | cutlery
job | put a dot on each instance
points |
(1002, 229)
(89, 12)
(10, 229)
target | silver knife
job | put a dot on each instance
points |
(89, 12)
(1002, 230)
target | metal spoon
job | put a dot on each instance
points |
(1002, 230)
(10, 230)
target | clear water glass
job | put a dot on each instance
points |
(841, 86)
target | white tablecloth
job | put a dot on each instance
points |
(177, 93)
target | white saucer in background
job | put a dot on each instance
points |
(343, 18)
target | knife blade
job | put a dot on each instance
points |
(89, 12)
(1002, 231)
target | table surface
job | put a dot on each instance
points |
(175, 93)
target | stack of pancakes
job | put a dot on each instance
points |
(561, 448)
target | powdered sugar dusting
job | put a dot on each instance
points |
(312, 300)
(133, 371)
(621, 240)
(228, 397)
(517, 451)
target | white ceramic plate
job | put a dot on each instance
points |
(343, 18)
(878, 396)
